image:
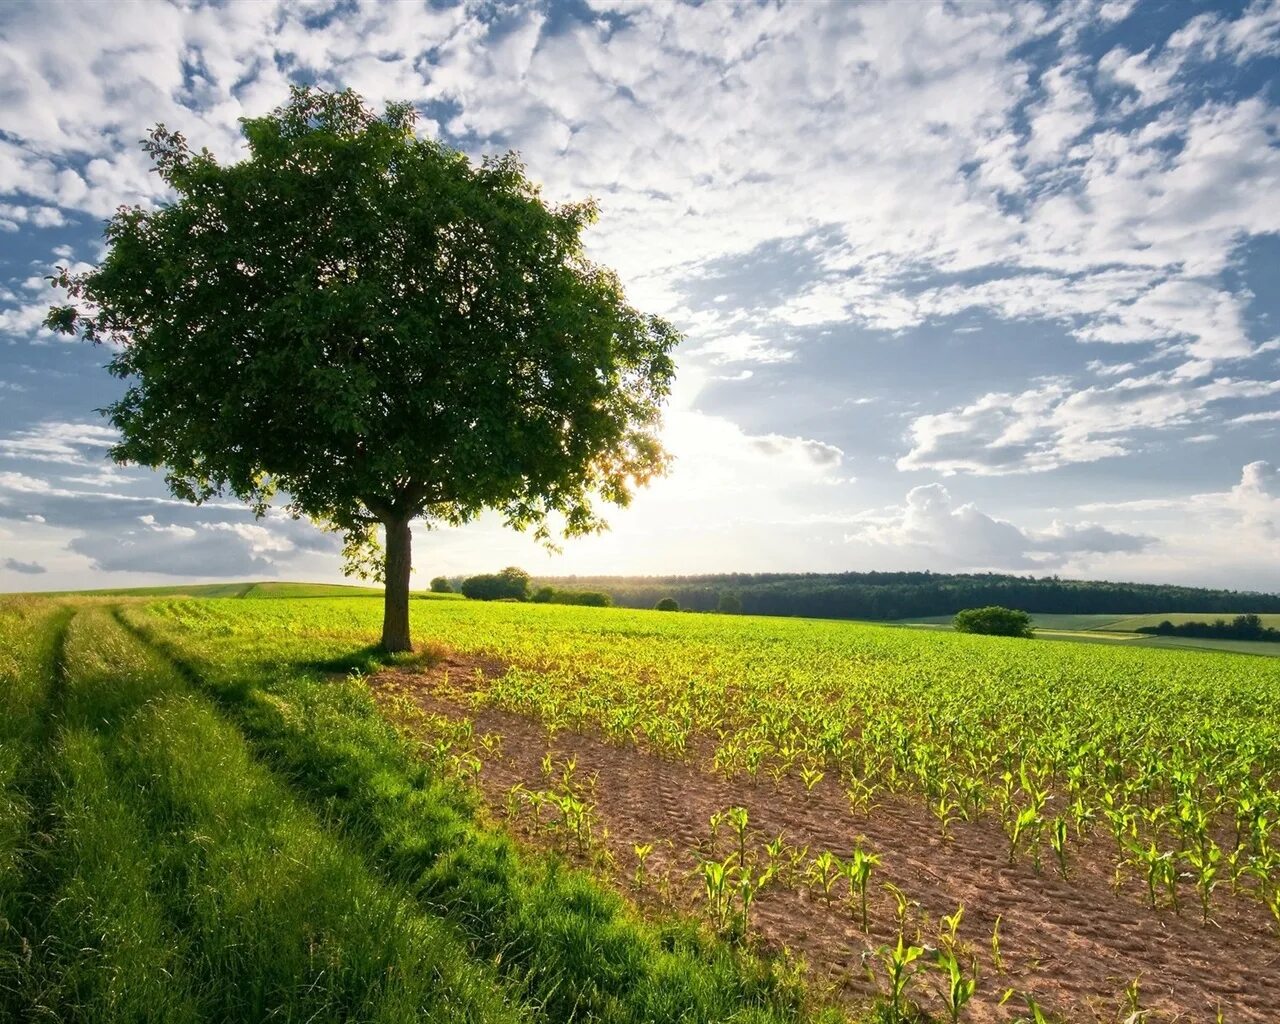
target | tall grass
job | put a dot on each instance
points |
(30, 632)
(576, 949)
(188, 883)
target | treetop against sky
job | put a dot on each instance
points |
(979, 286)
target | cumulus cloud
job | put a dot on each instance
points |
(1053, 425)
(930, 529)
(818, 453)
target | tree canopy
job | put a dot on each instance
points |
(994, 620)
(367, 326)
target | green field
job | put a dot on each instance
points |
(204, 816)
(178, 845)
(1123, 629)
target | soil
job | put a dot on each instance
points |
(1074, 944)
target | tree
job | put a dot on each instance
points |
(993, 620)
(667, 604)
(440, 585)
(370, 328)
(730, 604)
(511, 584)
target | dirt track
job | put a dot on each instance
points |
(1074, 944)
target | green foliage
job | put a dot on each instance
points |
(993, 621)
(363, 320)
(729, 604)
(511, 584)
(440, 585)
(667, 604)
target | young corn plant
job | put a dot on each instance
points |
(948, 936)
(738, 822)
(1058, 842)
(717, 883)
(897, 961)
(642, 852)
(996, 957)
(902, 905)
(959, 984)
(857, 869)
(811, 775)
(823, 871)
(1204, 864)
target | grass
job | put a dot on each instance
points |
(573, 949)
(191, 841)
(183, 881)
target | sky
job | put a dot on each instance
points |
(963, 286)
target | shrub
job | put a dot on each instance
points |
(543, 595)
(667, 604)
(993, 620)
(440, 585)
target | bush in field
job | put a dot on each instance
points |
(730, 604)
(543, 595)
(440, 585)
(993, 621)
(667, 604)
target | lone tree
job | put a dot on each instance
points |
(371, 329)
(993, 620)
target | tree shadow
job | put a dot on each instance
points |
(369, 659)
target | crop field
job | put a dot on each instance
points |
(232, 809)
(1122, 629)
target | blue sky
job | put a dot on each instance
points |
(964, 286)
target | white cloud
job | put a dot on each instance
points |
(69, 444)
(1223, 538)
(930, 530)
(1053, 425)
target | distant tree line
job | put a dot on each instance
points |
(909, 595)
(1242, 627)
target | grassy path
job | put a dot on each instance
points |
(179, 879)
(574, 950)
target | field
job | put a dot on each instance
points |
(219, 808)
(1123, 629)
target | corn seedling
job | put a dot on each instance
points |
(897, 961)
(996, 957)
(1058, 841)
(810, 776)
(902, 905)
(959, 987)
(950, 928)
(642, 852)
(823, 871)
(857, 869)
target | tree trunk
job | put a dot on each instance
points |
(395, 611)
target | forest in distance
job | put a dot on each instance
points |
(888, 596)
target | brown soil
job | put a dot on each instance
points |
(1074, 944)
